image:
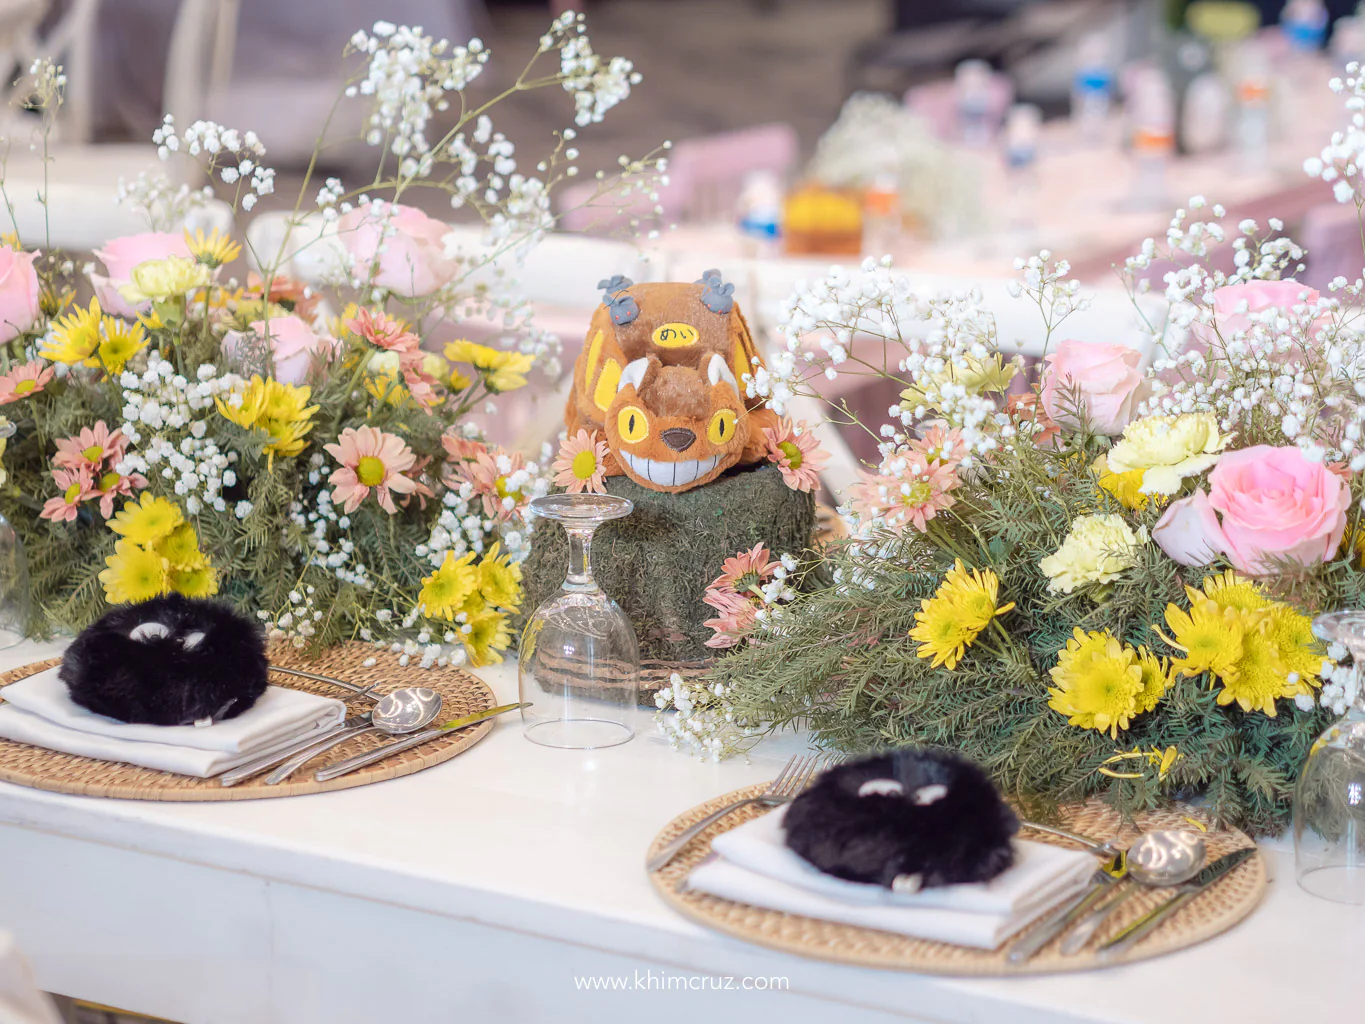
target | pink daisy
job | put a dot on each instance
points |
(940, 446)
(581, 465)
(917, 493)
(23, 381)
(489, 473)
(75, 486)
(111, 486)
(91, 449)
(384, 331)
(736, 617)
(746, 569)
(371, 460)
(797, 453)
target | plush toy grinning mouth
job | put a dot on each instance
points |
(670, 474)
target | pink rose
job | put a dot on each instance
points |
(1258, 296)
(294, 347)
(121, 255)
(413, 262)
(18, 292)
(1105, 379)
(1188, 531)
(1277, 504)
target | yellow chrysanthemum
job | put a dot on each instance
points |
(281, 410)
(1156, 677)
(501, 370)
(963, 605)
(1290, 630)
(1099, 681)
(213, 251)
(1209, 636)
(75, 337)
(134, 574)
(163, 279)
(487, 638)
(1259, 677)
(991, 375)
(120, 341)
(180, 548)
(147, 520)
(1125, 488)
(201, 581)
(445, 591)
(1161, 760)
(500, 579)
(386, 389)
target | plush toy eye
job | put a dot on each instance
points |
(632, 424)
(722, 426)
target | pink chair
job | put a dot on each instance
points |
(705, 176)
(1331, 235)
(936, 102)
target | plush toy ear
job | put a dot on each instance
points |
(717, 371)
(634, 374)
(926, 795)
(881, 787)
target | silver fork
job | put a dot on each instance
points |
(795, 777)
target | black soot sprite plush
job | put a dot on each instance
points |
(907, 820)
(168, 661)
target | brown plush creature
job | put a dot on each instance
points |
(660, 375)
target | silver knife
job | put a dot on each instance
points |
(397, 746)
(1065, 915)
(245, 771)
(1143, 926)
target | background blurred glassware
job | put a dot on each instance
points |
(14, 590)
(1329, 798)
(580, 664)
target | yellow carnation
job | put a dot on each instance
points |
(975, 376)
(1167, 449)
(1097, 549)
(159, 280)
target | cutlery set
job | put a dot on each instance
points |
(1166, 859)
(399, 714)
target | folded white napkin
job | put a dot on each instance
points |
(39, 710)
(754, 866)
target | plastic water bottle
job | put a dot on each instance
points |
(972, 81)
(758, 211)
(1152, 118)
(1304, 24)
(1022, 128)
(1092, 90)
(1253, 106)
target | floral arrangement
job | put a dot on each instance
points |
(1100, 583)
(306, 451)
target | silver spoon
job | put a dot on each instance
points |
(403, 711)
(1157, 860)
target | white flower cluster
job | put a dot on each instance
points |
(297, 621)
(1340, 162)
(1340, 683)
(701, 720)
(165, 206)
(596, 85)
(236, 156)
(164, 419)
(326, 529)
(409, 75)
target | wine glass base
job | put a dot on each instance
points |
(1338, 883)
(579, 733)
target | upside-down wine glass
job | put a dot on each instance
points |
(1329, 798)
(580, 664)
(14, 588)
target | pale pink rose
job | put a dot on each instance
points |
(121, 255)
(18, 292)
(1277, 504)
(1103, 378)
(1258, 296)
(294, 347)
(413, 262)
(1188, 531)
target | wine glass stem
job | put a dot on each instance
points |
(580, 580)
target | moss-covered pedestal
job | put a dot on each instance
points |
(657, 562)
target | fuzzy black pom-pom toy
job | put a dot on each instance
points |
(907, 820)
(168, 661)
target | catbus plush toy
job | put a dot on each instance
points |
(660, 375)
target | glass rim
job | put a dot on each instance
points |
(581, 507)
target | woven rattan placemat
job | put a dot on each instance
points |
(1214, 911)
(461, 694)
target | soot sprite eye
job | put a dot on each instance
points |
(632, 424)
(722, 427)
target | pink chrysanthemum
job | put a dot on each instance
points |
(113, 485)
(371, 460)
(581, 465)
(797, 453)
(92, 449)
(746, 569)
(489, 473)
(384, 331)
(736, 616)
(75, 487)
(23, 381)
(917, 493)
(939, 446)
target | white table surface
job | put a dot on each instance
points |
(488, 888)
